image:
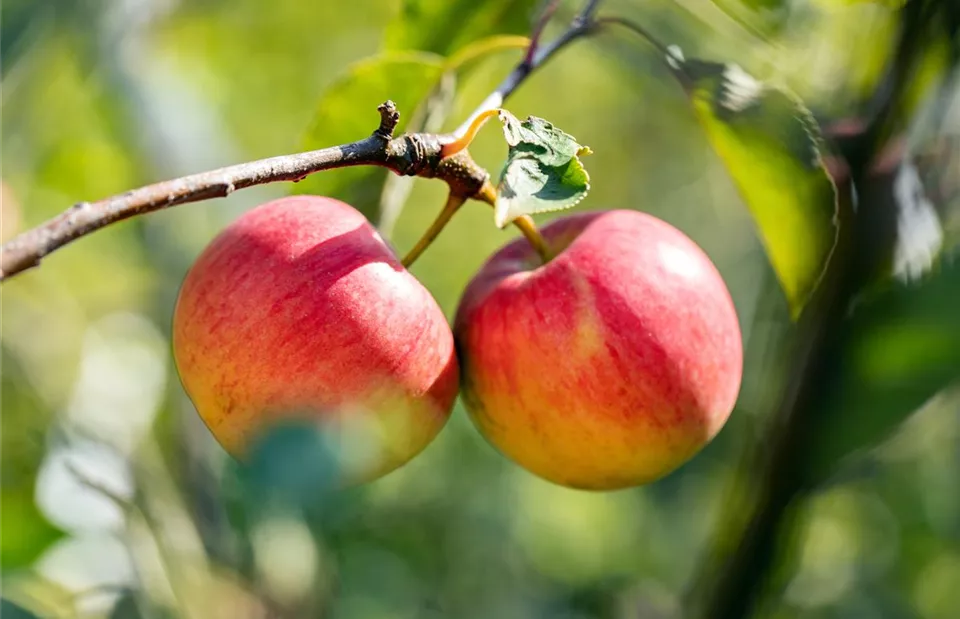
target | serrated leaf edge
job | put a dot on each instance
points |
(501, 223)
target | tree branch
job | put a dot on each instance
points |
(416, 154)
(455, 145)
(548, 10)
(400, 155)
(643, 33)
(582, 25)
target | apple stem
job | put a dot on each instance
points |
(529, 229)
(524, 223)
(454, 202)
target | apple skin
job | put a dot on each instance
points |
(299, 310)
(611, 365)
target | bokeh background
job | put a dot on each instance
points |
(99, 97)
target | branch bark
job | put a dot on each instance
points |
(26, 250)
(583, 24)
(416, 154)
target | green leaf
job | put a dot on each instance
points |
(773, 150)
(543, 171)
(441, 26)
(898, 349)
(347, 113)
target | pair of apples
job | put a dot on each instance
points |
(607, 367)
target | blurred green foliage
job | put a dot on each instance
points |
(403, 77)
(769, 140)
(897, 349)
(102, 97)
(446, 26)
(13, 611)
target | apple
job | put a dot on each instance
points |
(298, 311)
(607, 367)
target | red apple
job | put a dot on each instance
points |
(610, 365)
(299, 309)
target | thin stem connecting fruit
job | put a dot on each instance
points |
(488, 194)
(524, 223)
(529, 229)
(454, 202)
